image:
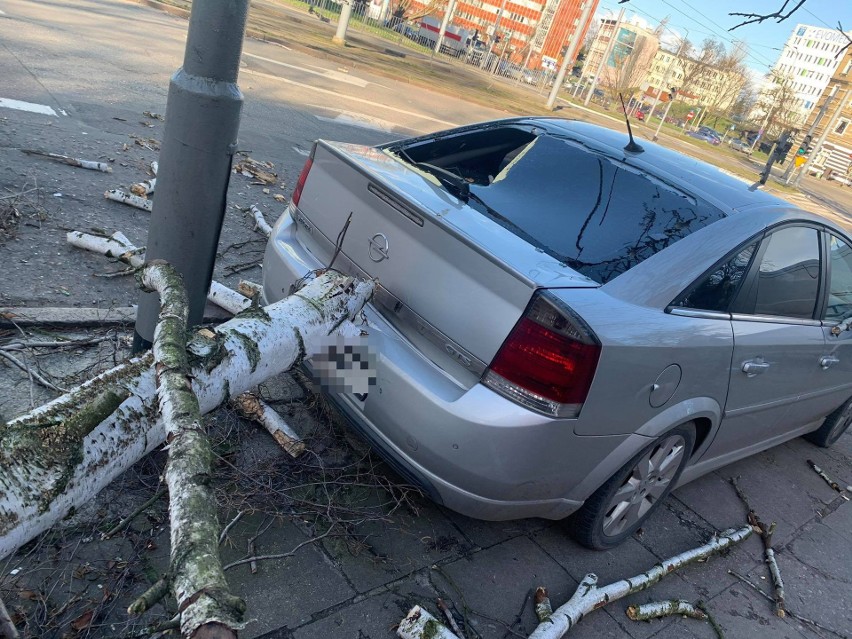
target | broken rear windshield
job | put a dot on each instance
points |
(595, 215)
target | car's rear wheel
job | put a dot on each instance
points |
(619, 507)
(833, 426)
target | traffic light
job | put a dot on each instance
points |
(672, 93)
(805, 145)
(785, 143)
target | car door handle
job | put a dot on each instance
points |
(827, 361)
(754, 367)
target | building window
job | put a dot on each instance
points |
(841, 126)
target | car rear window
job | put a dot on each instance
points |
(596, 215)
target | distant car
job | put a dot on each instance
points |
(564, 327)
(740, 145)
(530, 77)
(707, 137)
(639, 115)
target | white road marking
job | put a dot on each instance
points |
(325, 73)
(32, 107)
(355, 119)
(378, 105)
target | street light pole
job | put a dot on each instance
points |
(448, 15)
(571, 53)
(788, 173)
(822, 137)
(494, 35)
(199, 141)
(666, 75)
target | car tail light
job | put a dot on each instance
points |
(300, 183)
(548, 361)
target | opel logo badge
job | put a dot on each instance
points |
(378, 247)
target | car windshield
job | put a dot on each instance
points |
(598, 216)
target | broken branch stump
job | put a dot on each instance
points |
(252, 407)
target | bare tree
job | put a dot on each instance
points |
(779, 106)
(729, 78)
(629, 69)
(694, 66)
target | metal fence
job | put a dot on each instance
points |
(491, 58)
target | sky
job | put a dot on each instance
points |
(705, 19)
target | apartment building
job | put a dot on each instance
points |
(545, 26)
(629, 49)
(706, 86)
(805, 66)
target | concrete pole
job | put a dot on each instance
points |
(607, 51)
(788, 173)
(822, 137)
(448, 15)
(383, 14)
(576, 40)
(343, 23)
(200, 138)
(663, 119)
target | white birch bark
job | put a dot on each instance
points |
(227, 298)
(260, 223)
(61, 454)
(251, 406)
(195, 572)
(119, 247)
(589, 597)
(419, 624)
(146, 187)
(117, 195)
(658, 609)
(65, 159)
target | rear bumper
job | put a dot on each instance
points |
(467, 447)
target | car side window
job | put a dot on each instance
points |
(718, 289)
(840, 285)
(787, 278)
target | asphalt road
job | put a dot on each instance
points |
(88, 70)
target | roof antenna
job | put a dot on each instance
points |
(631, 147)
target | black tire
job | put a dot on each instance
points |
(619, 507)
(833, 427)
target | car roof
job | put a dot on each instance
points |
(721, 188)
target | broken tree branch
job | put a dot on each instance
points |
(260, 223)
(117, 195)
(83, 164)
(589, 597)
(41, 481)
(419, 624)
(828, 480)
(448, 615)
(227, 298)
(196, 576)
(32, 374)
(146, 187)
(766, 533)
(658, 609)
(252, 407)
(124, 522)
(7, 628)
(792, 614)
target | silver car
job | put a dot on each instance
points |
(567, 328)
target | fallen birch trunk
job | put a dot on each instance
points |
(195, 571)
(252, 407)
(83, 164)
(117, 195)
(419, 624)
(60, 455)
(119, 247)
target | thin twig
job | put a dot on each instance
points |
(448, 615)
(828, 480)
(33, 375)
(7, 628)
(283, 555)
(230, 525)
(792, 614)
(124, 522)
